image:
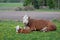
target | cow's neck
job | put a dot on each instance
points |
(29, 23)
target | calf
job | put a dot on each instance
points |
(24, 30)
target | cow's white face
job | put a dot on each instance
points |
(25, 19)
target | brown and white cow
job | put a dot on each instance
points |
(38, 25)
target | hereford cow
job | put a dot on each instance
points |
(40, 25)
(36, 25)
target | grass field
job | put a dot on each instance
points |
(11, 4)
(48, 10)
(7, 32)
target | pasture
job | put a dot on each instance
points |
(7, 32)
(11, 4)
(7, 28)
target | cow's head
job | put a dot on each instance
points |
(25, 19)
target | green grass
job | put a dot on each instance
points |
(48, 10)
(11, 4)
(7, 32)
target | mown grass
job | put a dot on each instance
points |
(11, 4)
(48, 10)
(7, 32)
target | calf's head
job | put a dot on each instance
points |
(18, 29)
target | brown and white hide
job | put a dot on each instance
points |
(41, 24)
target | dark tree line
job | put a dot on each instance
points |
(53, 4)
(36, 3)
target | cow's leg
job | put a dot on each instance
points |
(33, 28)
(44, 29)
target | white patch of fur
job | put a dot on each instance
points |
(26, 27)
(17, 28)
(25, 19)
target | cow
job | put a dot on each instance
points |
(37, 25)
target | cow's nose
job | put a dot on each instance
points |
(25, 23)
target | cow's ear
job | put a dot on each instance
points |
(29, 18)
(22, 16)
